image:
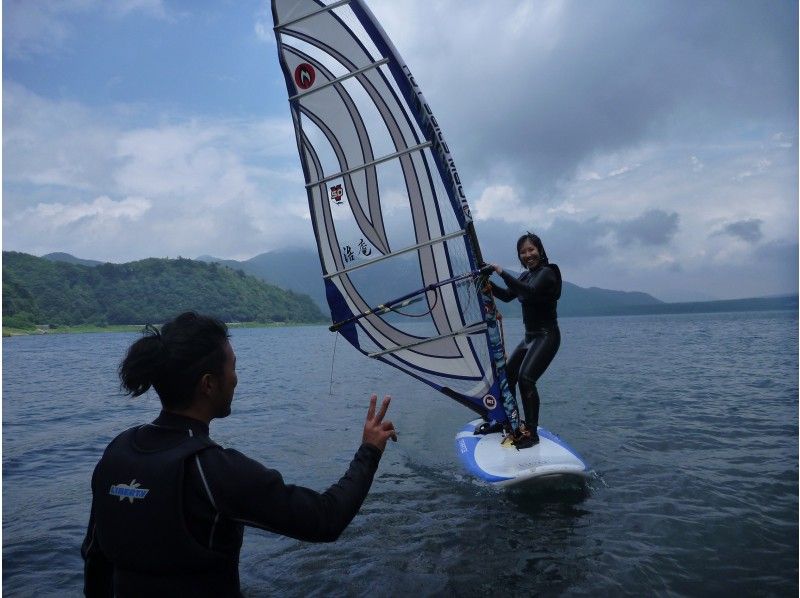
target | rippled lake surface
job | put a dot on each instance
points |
(690, 424)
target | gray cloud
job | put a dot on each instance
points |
(670, 69)
(498, 241)
(654, 227)
(588, 255)
(781, 252)
(747, 230)
(568, 241)
(577, 241)
(589, 249)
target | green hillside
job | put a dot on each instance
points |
(37, 291)
(60, 256)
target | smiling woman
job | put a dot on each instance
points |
(538, 288)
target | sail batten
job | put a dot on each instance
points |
(323, 9)
(464, 332)
(350, 75)
(403, 301)
(395, 253)
(370, 164)
(379, 176)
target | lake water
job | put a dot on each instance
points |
(690, 424)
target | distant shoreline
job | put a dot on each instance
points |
(785, 303)
(709, 307)
(90, 329)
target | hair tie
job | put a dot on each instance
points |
(154, 333)
(163, 350)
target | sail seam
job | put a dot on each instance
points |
(386, 158)
(475, 328)
(327, 8)
(360, 71)
(455, 235)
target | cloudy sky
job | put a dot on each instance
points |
(652, 145)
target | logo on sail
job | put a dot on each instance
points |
(304, 75)
(336, 194)
(489, 402)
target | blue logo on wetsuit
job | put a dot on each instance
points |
(129, 491)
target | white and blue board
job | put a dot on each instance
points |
(486, 459)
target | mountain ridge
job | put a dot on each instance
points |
(38, 290)
(298, 270)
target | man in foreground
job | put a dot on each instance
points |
(170, 505)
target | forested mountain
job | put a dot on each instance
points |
(38, 290)
(296, 269)
(60, 256)
(299, 270)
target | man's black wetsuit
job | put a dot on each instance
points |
(538, 290)
(169, 509)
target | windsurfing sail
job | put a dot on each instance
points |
(399, 255)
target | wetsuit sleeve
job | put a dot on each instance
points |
(542, 285)
(98, 572)
(504, 295)
(244, 490)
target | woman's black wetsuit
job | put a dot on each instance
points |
(538, 290)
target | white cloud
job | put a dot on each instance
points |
(263, 26)
(153, 8)
(44, 26)
(623, 170)
(593, 175)
(566, 207)
(783, 140)
(760, 167)
(228, 187)
(54, 142)
(101, 211)
(500, 202)
(184, 160)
